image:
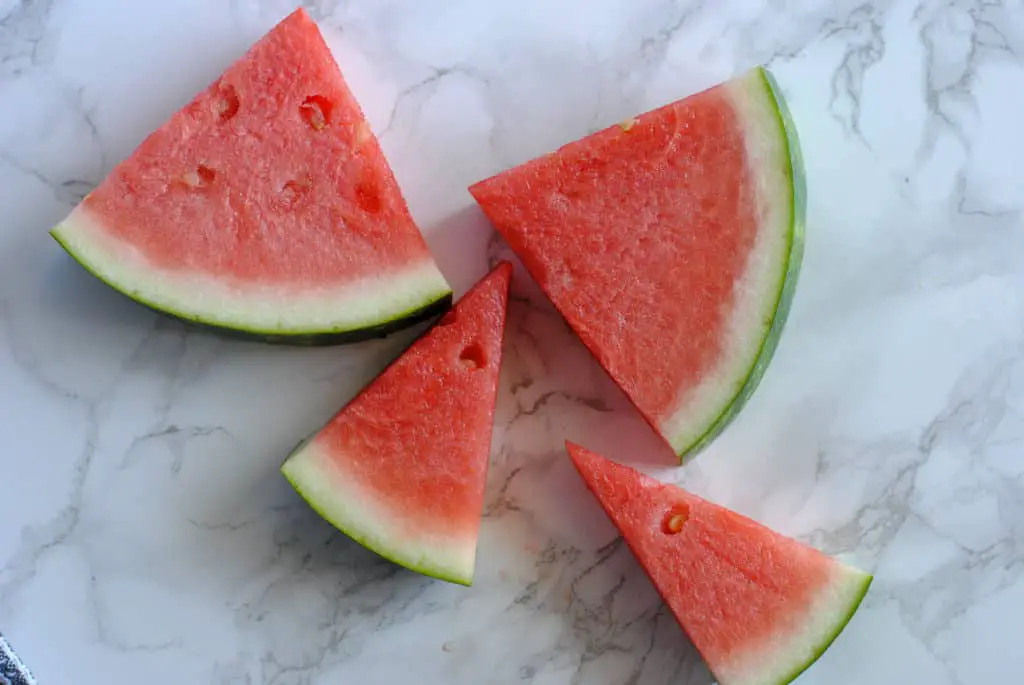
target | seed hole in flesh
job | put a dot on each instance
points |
(227, 103)
(316, 111)
(368, 198)
(675, 519)
(200, 178)
(472, 357)
(292, 192)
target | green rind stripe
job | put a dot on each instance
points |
(401, 322)
(787, 288)
(828, 638)
(392, 554)
(336, 336)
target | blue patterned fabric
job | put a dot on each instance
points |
(12, 670)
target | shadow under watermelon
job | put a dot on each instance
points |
(545, 535)
(356, 583)
(558, 390)
(597, 615)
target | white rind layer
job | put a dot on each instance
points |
(251, 307)
(784, 655)
(757, 292)
(335, 495)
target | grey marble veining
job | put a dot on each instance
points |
(147, 536)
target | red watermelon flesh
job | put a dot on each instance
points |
(760, 607)
(401, 468)
(265, 205)
(671, 245)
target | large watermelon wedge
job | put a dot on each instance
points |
(759, 607)
(671, 244)
(401, 468)
(264, 206)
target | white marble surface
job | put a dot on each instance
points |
(146, 537)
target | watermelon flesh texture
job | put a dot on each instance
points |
(401, 468)
(265, 206)
(671, 244)
(760, 607)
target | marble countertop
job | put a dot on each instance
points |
(147, 537)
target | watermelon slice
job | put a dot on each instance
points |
(401, 468)
(264, 206)
(759, 607)
(671, 244)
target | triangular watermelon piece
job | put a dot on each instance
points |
(760, 607)
(671, 244)
(264, 206)
(401, 468)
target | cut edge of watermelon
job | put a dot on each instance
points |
(789, 654)
(334, 496)
(367, 308)
(782, 660)
(770, 280)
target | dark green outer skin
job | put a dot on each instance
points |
(302, 338)
(380, 550)
(829, 638)
(787, 289)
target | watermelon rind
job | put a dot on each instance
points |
(824, 622)
(340, 503)
(797, 639)
(860, 582)
(761, 84)
(372, 308)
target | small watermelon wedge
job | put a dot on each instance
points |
(671, 244)
(401, 468)
(264, 207)
(759, 607)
